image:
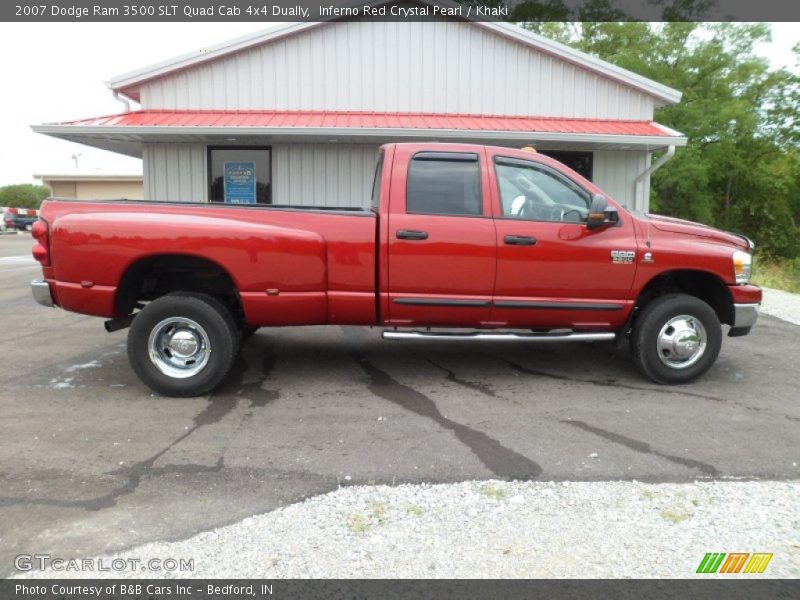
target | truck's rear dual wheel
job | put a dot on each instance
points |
(676, 338)
(183, 344)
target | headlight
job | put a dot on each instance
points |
(742, 263)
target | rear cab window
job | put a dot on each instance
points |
(444, 183)
(375, 201)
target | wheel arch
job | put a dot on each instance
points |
(156, 275)
(705, 285)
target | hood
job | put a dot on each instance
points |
(673, 225)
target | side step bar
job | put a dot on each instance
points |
(569, 336)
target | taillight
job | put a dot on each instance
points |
(41, 251)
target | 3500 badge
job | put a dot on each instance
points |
(624, 257)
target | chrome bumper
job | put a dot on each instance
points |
(744, 317)
(41, 292)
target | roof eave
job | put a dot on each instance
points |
(300, 132)
(124, 82)
(98, 178)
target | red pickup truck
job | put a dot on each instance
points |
(507, 244)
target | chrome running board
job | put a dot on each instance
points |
(564, 336)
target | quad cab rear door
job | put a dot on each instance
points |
(440, 238)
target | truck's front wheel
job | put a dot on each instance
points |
(676, 338)
(183, 344)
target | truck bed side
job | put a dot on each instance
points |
(288, 265)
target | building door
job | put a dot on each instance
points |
(580, 162)
(441, 239)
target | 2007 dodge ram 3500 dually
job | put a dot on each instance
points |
(509, 244)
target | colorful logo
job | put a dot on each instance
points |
(734, 562)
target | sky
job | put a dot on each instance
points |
(56, 72)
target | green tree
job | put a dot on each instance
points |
(740, 169)
(24, 195)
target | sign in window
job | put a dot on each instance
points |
(240, 182)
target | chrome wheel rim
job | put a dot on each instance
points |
(179, 347)
(681, 342)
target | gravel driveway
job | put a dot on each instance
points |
(502, 530)
(781, 304)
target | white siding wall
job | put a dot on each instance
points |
(341, 174)
(448, 66)
(615, 172)
(323, 174)
(304, 174)
(175, 172)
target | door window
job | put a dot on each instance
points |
(444, 183)
(537, 193)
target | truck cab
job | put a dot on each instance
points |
(500, 238)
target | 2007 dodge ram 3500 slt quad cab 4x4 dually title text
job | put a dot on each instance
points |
(506, 243)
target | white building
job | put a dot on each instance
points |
(307, 105)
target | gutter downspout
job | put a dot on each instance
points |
(119, 98)
(652, 169)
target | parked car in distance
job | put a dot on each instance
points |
(24, 222)
(509, 244)
(7, 221)
(20, 219)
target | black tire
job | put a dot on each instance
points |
(218, 328)
(246, 332)
(644, 341)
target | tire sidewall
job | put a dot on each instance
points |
(661, 310)
(206, 312)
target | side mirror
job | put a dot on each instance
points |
(600, 213)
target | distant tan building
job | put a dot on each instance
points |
(94, 186)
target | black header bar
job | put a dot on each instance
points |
(270, 11)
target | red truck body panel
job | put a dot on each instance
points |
(294, 266)
(321, 265)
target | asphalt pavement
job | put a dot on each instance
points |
(91, 462)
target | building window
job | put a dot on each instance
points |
(240, 174)
(444, 183)
(580, 162)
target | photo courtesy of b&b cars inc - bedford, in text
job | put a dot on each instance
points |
(413, 299)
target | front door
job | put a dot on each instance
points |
(552, 271)
(441, 239)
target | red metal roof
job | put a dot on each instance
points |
(272, 119)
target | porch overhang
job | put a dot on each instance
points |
(125, 133)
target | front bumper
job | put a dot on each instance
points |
(41, 292)
(744, 317)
